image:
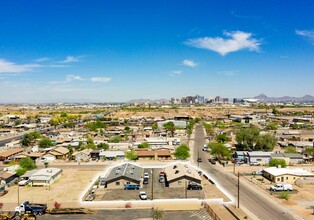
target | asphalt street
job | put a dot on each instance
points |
(262, 208)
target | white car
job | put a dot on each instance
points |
(281, 187)
(255, 163)
(146, 176)
(23, 182)
(143, 195)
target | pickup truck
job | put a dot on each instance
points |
(28, 208)
(281, 187)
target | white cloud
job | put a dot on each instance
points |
(71, 59)
(42, 59)
(228, 72)
(58, 65)
(100, 79)
(70, 78)
(189, 63)
(10, 67)
(237, 40)
(177, 72)
(307, 34)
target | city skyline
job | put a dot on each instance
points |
(121, 50)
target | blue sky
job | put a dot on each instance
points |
(119, 50)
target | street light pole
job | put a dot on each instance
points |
(152, 172)
(238, 190)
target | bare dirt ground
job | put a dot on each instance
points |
(67, 190)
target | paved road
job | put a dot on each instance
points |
(255, 203)
(8, 140)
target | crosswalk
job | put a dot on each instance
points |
(201, 215)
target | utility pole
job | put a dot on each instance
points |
(234, 167)
(186, 190)
(238, 190)
(152, 184)
(18, 194)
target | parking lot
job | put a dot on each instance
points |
(154, 190)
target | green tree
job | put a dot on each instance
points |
(20, 171)
(309, 151)
(103, 146)
(219, 150)
(70, 148)
(276, 162)
(115, 139)
(155, 126)
(275, 111)
(247, 137)
(169, 126)
(143, 145)
(291, 150)
(271, 125)
(45, 142)
(30, 137)
(182, 152)
(222, 138)
(131, 155)
(27, 163)
(265, 142)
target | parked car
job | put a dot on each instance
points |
(162, 179)
(131, 187)
(146, 176)
(162, 173)
(143, 195)
(239, 162)
(212, 161)
(145, 181)
(255, 163)
(24, 182)
(199, 159)
(194, 187)
(281, 187)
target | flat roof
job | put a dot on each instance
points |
(288, 171)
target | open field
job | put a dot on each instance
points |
(66, 190)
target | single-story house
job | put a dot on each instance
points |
(32, 155)
(4, 155)
(83, 155)
(286, 175)
(13, 144)
(153, 154)
(294, 158)
(45, 177)
(155, 141)
(111, 155)
(59, 152)
(8, 177)
(95, 154)
(240, 155)
(259, 156)
(122, 175)
(28, 174)
(179, 175)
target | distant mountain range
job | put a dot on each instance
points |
(264, 98)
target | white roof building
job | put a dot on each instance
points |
(45, 176)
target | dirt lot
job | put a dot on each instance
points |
(66, 190)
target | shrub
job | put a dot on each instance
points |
(284, 195)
